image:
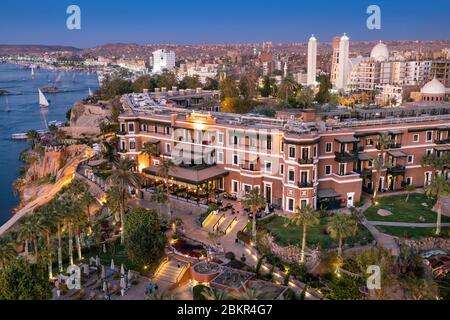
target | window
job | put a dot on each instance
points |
(156, 162)
(235, 186)
(282, 147)
(281, 169)
(328, 170)
(269, 142)
(410, 159)
(416, 138)
(220, 138)
(132, 145)
(429, 136)
(122, 127)
(329, 147)
(303, 204)
(369, 142)
(235, 160)
(131, 127)
(220, 157)
(291, 204)
(235, 140)
(122, 145)
(315, 152)
(292, 152)
(167, 130)
(370, 164)
(155, 129)
(143, 127)
(342, 169)
(268, 167)
(168, 148)
(291, 175)
(409, 181)
(429, 152)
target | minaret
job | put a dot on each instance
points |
(342, 78)
(312, 61)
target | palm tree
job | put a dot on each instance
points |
(253, 293)
(58, 215)
(123, 178)
(160, 198)
(212, 294)
(253, 200)
(32, 136)
(47, 221)
(164, 169)
(342, 226)
(409, 189)
(437, 163)
(304, 217)
(383, 142)
(86, 200)
(150, 150)
(80, 222)
(438, 188)
(287, 89)
(7, 251)
(161, 295)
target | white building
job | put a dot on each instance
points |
(417, 72)
(389, 95)
(343, 65)
(163, 60)
(312, 61)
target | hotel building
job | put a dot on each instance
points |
(324, 159)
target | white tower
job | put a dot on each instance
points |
(312, 61)
(285, 69)
(343, 72)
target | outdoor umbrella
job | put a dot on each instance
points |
(104, 248)
(267, 211)
(105, 287)
(123, 283)
(86, 269)
(112, 264)
(122, 270)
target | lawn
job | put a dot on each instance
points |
(413, 233)
(316, 235)
(410, 211)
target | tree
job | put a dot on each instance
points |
(115, 87)
(253, 200)
(253, 293)
(305, 97)
(123, 178)
(166, 80)
(86, 201)
(383, 142)
(144, 82)
(48, 223)
(439, 164)
(21, 280)
(323, 95)
(161, 198)
(342, 226)
(247, 86)
(211, 84)
(409, 189)
(151, 150)
(438, 188)
(304, 217)
(144, 239)
(228, 89)
(288, 89)
(212, 294)
(7, 251)
(189, 82)
(30, 230)
(32, 137)
(235, 105)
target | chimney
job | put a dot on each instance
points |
(308, 115)
(157, 90)
(163, 89)
(174, 89)
(145, 91)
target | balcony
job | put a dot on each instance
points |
(390, 146)
(305, 161)
(305, 185)
(397, 170)
(365, 173)
(442, 141)
(346, 157)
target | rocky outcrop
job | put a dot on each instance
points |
(48, 165)
(85, 119)
(426, 244)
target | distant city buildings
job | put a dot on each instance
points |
(163, 60)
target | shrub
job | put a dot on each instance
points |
(230, 256)
(197, 292)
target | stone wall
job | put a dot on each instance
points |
(426, 244)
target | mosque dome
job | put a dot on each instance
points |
(380, 52)
(434, 87)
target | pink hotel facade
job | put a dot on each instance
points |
(296, 162)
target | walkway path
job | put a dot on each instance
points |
(406, 224)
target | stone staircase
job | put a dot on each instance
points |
(170, 271)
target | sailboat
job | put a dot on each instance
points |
(32, 73)
(73, 77)
(58, 78)
(43, 102)
(90, 93)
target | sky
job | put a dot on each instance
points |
(218, 22)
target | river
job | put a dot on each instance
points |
(25, 114)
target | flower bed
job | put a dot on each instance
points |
(188, 249)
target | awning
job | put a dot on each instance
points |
(327, 193)
(195, 176)
(365, 157)
(347, 139)
(442, 148)
(153, 141)
(397, 154)
(396, 132)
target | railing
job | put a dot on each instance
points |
(442, 141)
(305, 184)
(346, 157)
(231, 225)
(397, 170)
(182, 272)
(217, 224)
(305, 161)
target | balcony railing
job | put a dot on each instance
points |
(365, 173)
(346, 157)
(397, 170)
(305, 161)
(390, 146)
(305, 184)
(442, 141)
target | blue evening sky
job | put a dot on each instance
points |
(214, 21)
